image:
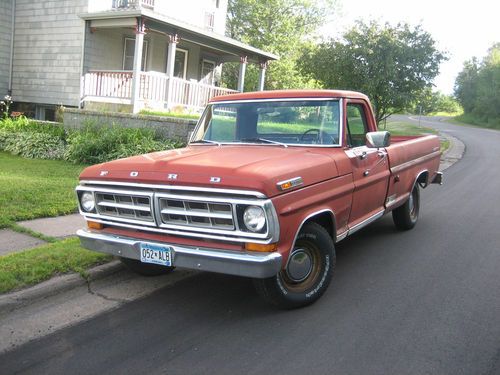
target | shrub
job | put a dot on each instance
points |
(94, 144)
(23, 124)
(34, 145)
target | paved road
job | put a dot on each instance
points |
(420, 302)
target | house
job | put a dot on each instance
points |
(134, 53)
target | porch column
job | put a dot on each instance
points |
(136, 74)
(172, 46)
(241, 74)
(262, 75)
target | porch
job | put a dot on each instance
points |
(141, 58)
(156, 90)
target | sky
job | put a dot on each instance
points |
(462, 28)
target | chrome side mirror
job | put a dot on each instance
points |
(378, 139)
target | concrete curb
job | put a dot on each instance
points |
(55, 285)
(454, 153)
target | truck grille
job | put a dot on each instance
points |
(134, 207)
(196, 213)
(182, 211)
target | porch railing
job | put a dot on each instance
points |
(108, 83)
(133, 4)
(154, 90)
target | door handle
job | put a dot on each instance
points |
(366, 173)
(363, 156)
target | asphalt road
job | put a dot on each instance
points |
(425, 301)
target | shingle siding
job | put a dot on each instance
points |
(5, 39)
(47, 51)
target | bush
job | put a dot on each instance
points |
(90, 145)
(23, 124)
(94, 144)
(34, 145)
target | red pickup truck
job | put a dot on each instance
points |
(269, 182)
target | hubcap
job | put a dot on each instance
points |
(299, 266)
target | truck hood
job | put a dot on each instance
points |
(242, 167)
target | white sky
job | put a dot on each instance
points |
(464, 28)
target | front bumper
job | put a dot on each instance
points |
(256, 265)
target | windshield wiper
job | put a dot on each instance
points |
(205, 141)
(263, 140)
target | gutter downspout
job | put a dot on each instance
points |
(82, 64)
(12, 46)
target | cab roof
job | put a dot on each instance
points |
(287, 94)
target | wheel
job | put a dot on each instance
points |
(307, 273)
(146, 269)
(406, 216)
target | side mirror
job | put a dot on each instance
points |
(378, 139)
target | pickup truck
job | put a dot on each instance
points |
(268, 184)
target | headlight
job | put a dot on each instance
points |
(254, 218)
(87, 201)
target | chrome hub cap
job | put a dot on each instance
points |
(299, 265)
(411, 204)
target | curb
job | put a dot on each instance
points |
(56, 285)
(453, 154)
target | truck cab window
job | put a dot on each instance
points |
(356, 125)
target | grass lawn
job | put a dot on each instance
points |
(407, 128)
(32, 188)
(187, 116)
(33, 266)
(468, 119)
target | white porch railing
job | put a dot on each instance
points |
(154, 90)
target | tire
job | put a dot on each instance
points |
(405, 217)
(146, 269)
(296, 285)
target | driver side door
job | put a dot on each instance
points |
(369, 166)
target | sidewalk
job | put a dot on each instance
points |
(57, 227)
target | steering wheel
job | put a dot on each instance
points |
(321, 136)
(317, 131)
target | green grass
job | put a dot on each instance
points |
(469, 119)
(188, 116)
(406, 128)
(33, 188)
(33, 266)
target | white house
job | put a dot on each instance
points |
(143, 53)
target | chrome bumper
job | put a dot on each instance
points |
(256, 265)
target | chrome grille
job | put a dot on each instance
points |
(126, 206)
(205, 214)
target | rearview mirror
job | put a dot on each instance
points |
(378, 139)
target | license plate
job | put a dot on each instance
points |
(156, 254)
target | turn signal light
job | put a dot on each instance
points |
(94, 225)
(261, 247)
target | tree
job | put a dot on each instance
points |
(282, 27)
(429, 101)
(391, 64)
(477, 87)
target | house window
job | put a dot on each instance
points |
(128, 54)
(207, 72)
(180, 63)
(209, 21)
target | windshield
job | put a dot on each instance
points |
(288, 122)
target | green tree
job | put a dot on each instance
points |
(429, 101)
(477, 88)
(391, 64)
(283, 27)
